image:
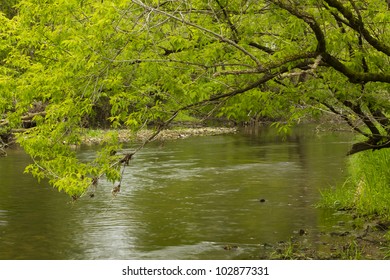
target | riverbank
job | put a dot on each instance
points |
(358, 239)
(96, 136)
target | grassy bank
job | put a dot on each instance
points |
(367, 189)
(366, 196)
(366, 192)
(370, 174)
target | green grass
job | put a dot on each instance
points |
(182, 117)
(352, 251)
(338, 197)
(367, 190)
(94, 132)
(371, 176)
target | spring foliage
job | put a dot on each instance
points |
(146, 61)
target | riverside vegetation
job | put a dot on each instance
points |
(68, 65)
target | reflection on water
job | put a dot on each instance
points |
(185, 199)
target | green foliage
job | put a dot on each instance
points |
(8, 7)
(367, 189)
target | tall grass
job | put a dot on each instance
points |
(370, 174)
(367, 190)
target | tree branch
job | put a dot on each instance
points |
(365, 119)
(321, 46)
(229, 22)
(379, 117)
(262, 48)
(354, 77)
(168, 60)
(219, 36)
(344, 117)
(367, 145)
(358, 25)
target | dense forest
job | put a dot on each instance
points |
(67, 65)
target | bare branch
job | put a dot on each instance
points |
(30, 116)
(311, 69)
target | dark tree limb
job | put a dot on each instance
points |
(229, 22)
(310, 20)
(370, 144)
(358, 25)
(344, 117)
(381, 118)
(365, 119)
(354, 76)
(262, 48)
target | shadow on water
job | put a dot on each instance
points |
(214, 197)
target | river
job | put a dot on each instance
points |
(212, 197)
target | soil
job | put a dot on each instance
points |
(360, 240)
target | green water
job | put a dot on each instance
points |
(182, 199)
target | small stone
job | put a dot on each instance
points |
(302, 232)
(230, 247)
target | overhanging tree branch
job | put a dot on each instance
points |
(189, 23)
(262, 48)
(358, 25)
(356, 108)
(354, 76)
(309, 19)
(340, 114)
(229, 22)
(370, 144)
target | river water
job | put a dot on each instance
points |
(212, 197)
